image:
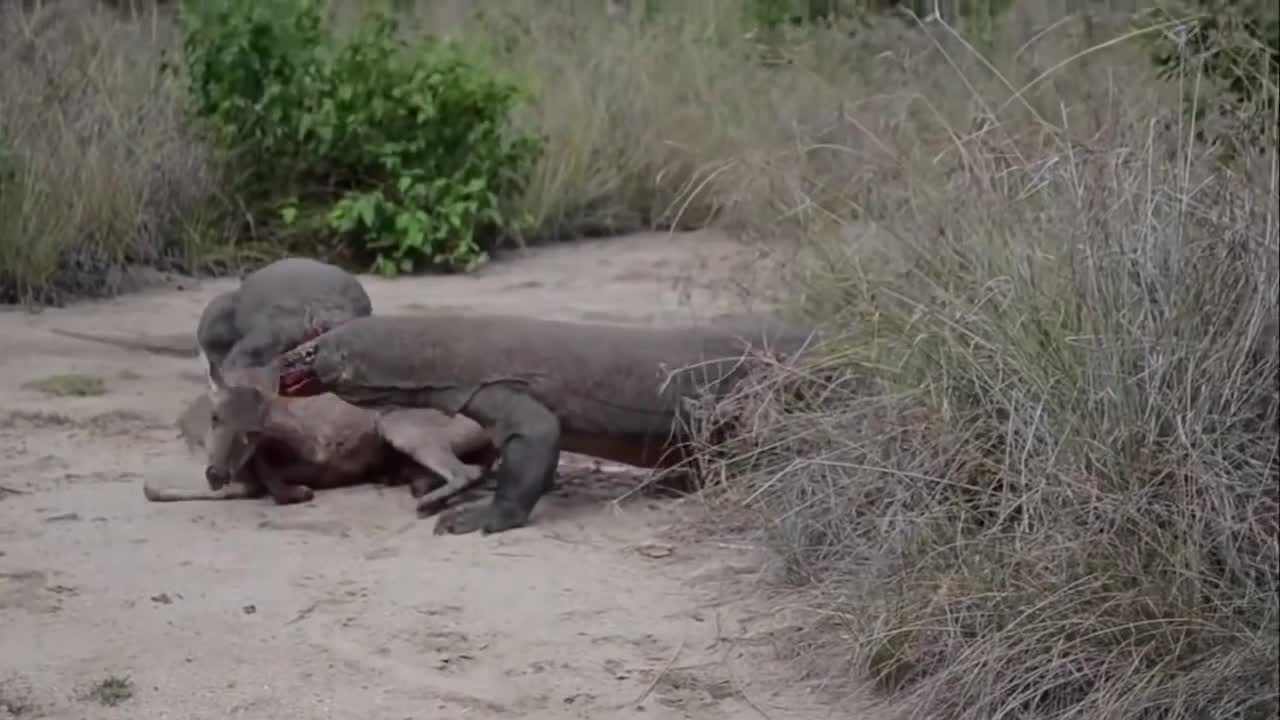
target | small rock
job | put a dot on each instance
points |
(64, 517)
(249, 609)
(656, 551)
(162, 598)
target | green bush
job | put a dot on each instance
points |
(8, 166)
(9, 189)
(404, 150)
(975, 16)
(1236, 43)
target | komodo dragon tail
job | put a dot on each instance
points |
(176, 345)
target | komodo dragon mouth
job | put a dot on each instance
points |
(298, 377)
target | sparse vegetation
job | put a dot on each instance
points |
(36, 419)
(69, 385)
(1040, 477)
(1234, 43)
(98, 168)
(1036, 474)
(14, 703)
(111, 690)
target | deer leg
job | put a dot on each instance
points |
(235, 490)
(280, 483)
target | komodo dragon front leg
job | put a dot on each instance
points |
(525, 432)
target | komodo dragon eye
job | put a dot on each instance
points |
(301, 356)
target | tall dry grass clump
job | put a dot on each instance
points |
(652, 118)
(96, 170)
(1034, 472)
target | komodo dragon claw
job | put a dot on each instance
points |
(461, 520)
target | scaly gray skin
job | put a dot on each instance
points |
(276, 307)
(216, 334)
(537, 386)
(260, 444)
(286, 303)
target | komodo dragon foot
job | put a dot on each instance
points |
(527, 434)
(463, 520)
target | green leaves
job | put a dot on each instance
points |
(1236, 43)
(406, 151)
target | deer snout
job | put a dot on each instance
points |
(216, 477)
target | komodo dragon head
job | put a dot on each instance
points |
(311, 368)
(239, 419)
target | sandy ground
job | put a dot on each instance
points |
(348, 607)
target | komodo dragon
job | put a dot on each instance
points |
(276, 307)
(258, 443)
(538, 386)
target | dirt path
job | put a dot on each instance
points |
(347, 607)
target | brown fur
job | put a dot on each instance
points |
(258, 443)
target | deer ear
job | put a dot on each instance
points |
(237, 377)
(267, 378)
(194, 422)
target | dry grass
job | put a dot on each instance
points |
(98, 170)
(650, 122)
(110, 691)
(1037, 477)
(1040, 476)
(69, 385)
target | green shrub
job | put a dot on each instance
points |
(976, 17)
(1236, 43)
(9, 189)
(404, 150)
